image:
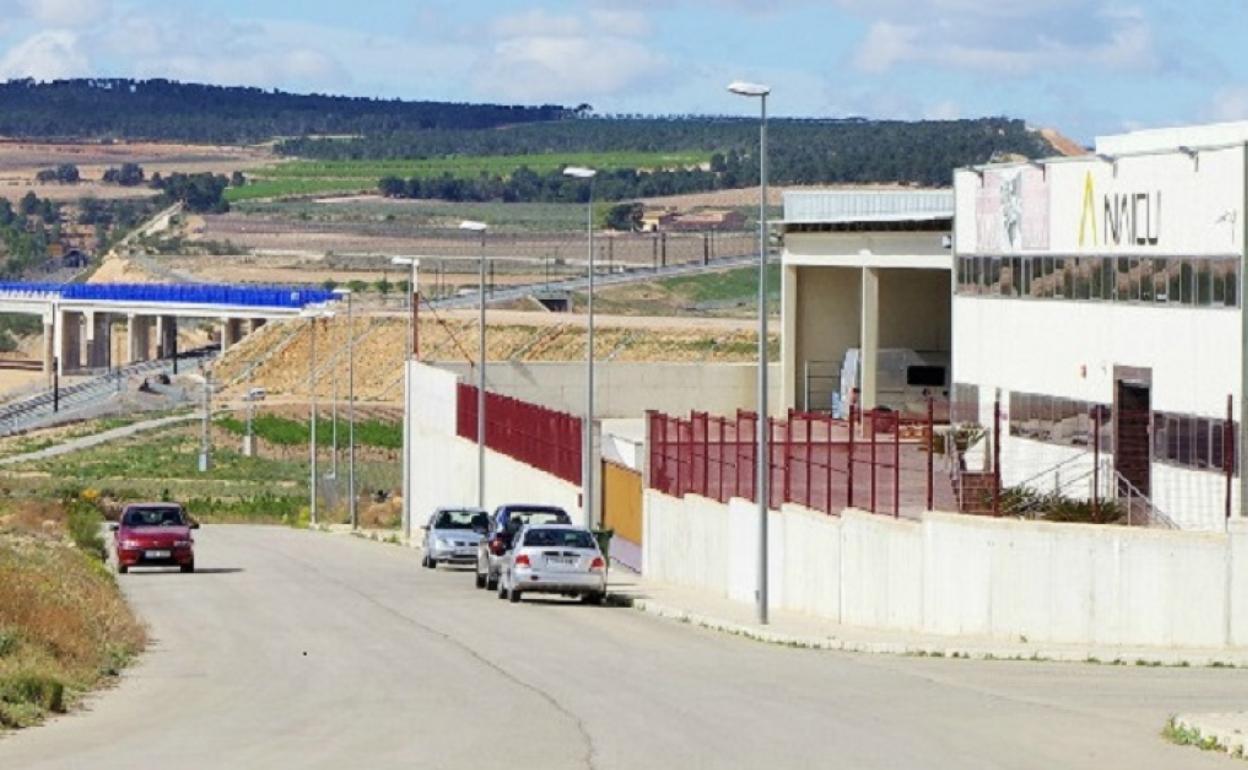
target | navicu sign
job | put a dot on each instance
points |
(1135, 216)
(1180, 203)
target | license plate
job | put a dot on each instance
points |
(560, 561)
(156, 554)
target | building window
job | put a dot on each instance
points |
(1179, 281)
(1194, 442)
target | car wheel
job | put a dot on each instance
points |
(595, 597)
(429, 562)
(502, 589)
(122, 569)
(491, 581)
(480, 578)
(188, 568)
(513, 595)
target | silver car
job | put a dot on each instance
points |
(452, 535)
(554, 559)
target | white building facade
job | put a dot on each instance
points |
(1109, 288)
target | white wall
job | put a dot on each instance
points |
(962, 575)
(628, 389)
(444, 466)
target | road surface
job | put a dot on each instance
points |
(306, 650)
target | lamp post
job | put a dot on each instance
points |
(413, 350)
(482, 228)
(312, 314)
(587, 465)
(351, 501)
(761, 487)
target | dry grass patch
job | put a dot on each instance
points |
(64, 626)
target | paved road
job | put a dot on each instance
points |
(103, 437)
(305, 650)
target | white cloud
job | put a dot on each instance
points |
(1230, 103)
(66, 13)
(46, 55)
(1008, 37)
(538, 56)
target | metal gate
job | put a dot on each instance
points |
(621, 511)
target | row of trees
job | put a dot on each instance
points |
(199, 193)
(525, 185)
(103, 108)
(26, 231)
(65, 173)
(799, 151)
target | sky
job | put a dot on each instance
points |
(1085, 67)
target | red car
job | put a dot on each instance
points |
(154, 535)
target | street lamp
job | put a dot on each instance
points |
(312, 314)
(413, 350)
(482, 228)
(351, 501)
(761, 487)
(587, 465)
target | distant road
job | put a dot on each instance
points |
(295, 649)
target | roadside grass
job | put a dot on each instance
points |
(64, 626)
(289, 432)
(1182, 735)
(308, 177)
(164, 465)
(724, 293)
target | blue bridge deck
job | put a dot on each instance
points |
(291, 297)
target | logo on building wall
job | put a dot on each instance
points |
(1012, 210)
(1133, 219)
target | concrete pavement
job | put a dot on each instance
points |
(800, 630)
(302, 649)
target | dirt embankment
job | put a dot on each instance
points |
(64, 626)
(278, 354)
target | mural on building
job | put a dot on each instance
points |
(1012, 211)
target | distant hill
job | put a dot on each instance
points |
(801, 152)
(100, 108)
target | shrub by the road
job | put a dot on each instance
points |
(83, 519)
(64, 625)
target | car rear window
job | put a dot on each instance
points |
(531, 516)
(460, 520)
(558, 538)
(162, 516)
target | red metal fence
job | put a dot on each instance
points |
(879, 461)
(548, 440)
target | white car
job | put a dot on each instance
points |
(554, 559)
(452, 535)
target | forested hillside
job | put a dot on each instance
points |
(101, 108)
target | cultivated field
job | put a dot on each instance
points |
(307, 177)
(20, 161)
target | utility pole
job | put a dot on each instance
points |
(205, 445)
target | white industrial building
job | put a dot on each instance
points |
(865, 297)
(1110, 283)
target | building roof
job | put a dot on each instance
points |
(850, 206)
(1168, 139)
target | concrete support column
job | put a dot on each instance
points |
(99, 340)
(66, 345)
(49, 345)
(166, 336)
(870, 333)
(138, 338)
(790, 380)
(233, 331)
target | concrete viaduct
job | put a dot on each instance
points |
(78, 319)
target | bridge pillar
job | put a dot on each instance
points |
(99, 340)
(231, 332)
(49, 346)
(166, 336)
(68, 343)
(138, 338)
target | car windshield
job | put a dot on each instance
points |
(518, 517)
(460, 520)
(163, 516)
(559, 538)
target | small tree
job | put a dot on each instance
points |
(357, 286)
(238, 179)
(384, 286)
(391, 187)
(329, 284)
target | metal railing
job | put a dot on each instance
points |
(543, 438)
